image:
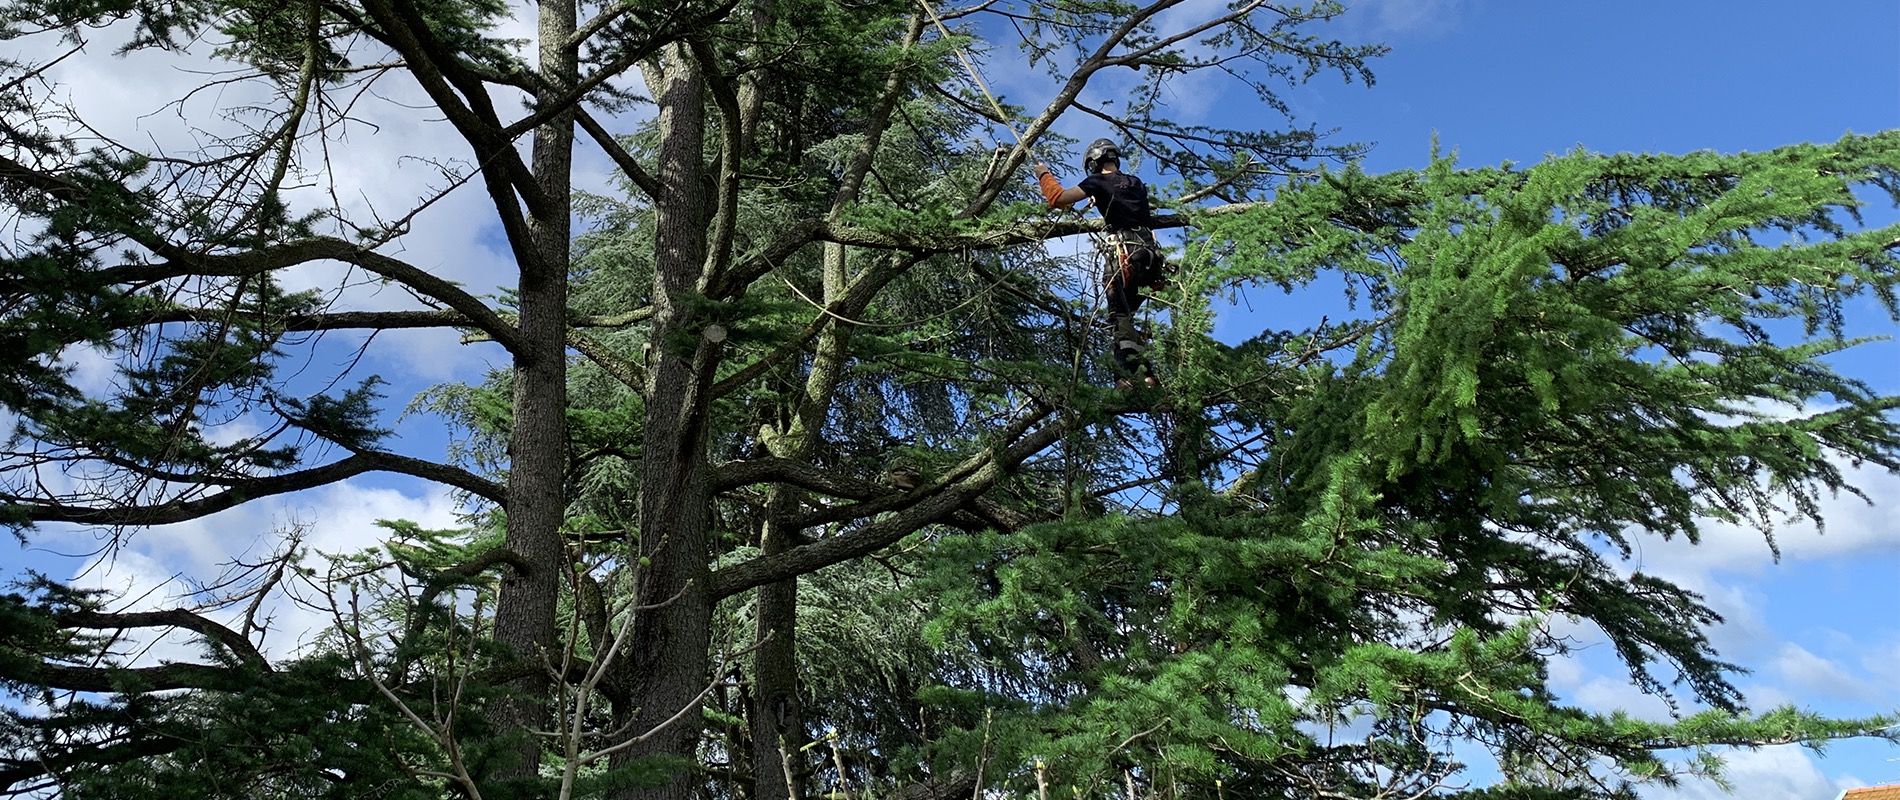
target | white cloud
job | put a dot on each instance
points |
(1818, 676)
(1604, 695)
(1784, 771)
(93, 372)
(1385, 18)
(1854, 527)
(1744, 632)
(149, 571)
(1883, 663)
(1764, 696)
(345, 523)
(1565, 674)
(144, 584)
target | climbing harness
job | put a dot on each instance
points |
(1126, 244)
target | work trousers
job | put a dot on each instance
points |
(1132, 263)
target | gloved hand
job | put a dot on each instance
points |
(1039, 169)
(1046, 181)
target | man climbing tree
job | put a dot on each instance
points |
(1131, 259)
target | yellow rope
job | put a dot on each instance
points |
(975, 75)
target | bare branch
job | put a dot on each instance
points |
(504, 173)
(173, 618)
(29, 509)
(621, 158)
(122, 680)
(1009, 235)
(327, 321)
(856, 298)
(618, 66)
(181, 261)
(622, 369)
(879, 497)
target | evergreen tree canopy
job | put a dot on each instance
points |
(800, 471)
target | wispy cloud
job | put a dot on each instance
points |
(157, 567)
(1854, 527)
(1785, 771)
(1390, 18)
(1817, 676)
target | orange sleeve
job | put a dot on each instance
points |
(1051, 188)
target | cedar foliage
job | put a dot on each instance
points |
(1567, 358)
(1367, 524)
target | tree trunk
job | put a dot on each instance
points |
(667, 666)
(537, 446)
(777, 720)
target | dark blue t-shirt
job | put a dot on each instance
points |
(1122, 198)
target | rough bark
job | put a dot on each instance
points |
(525, 611)
(777, 724)
(667, 664)
(776, 718)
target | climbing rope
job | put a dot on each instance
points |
(976, 75)
(1098, 297)
(980, 294)
(1002, 116)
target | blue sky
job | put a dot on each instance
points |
(1513, 80)
(1516, 80)
(1495, 80)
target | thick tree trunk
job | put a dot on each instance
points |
(537, 446)
(667, 667)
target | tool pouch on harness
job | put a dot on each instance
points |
(1134, 254)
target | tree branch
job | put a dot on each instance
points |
(622, 369)
(725, 96)
(1071, 89)
(327, 321)
(470, 111)
(879, 496)
(856, 298)
(181, 262)
(127, 680)
(1009, 235)
(172, 618)
(117, 753)
(926, 505)
(621, 158)
(19, 509)
(1165, 42)
(436, 471)
(625, 61)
